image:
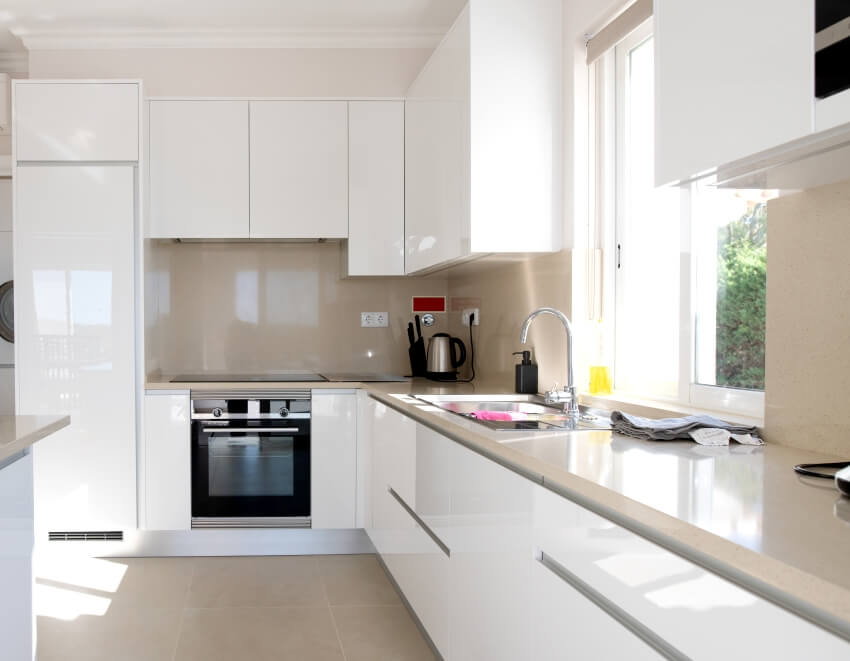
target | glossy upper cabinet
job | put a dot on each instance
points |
(375, 188)
(299, 169)
(333, 459)
(76, 339)
(484, 137)
(76, 121)
(715, 105)
(167, 461)
(436, 165)
(198, 155)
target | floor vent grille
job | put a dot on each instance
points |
(87, 536)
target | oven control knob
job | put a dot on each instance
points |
(283, 411)
(217, 412)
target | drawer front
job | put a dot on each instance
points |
(687, 611)
(77, 121)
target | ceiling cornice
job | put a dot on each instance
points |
(204, 38)
(14, 61)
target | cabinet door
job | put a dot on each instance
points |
(436, 159)
(719, 103)
(333, 459)
(198, 169)
(299, 169)
(376, 188)
(16, 545)
(71, 121)
(492, 559)
(76, 342)
(639, 598)
(168, 459)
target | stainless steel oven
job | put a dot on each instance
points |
(251, 459)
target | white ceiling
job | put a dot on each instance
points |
(57, 23)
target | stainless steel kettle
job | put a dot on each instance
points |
(443, 360)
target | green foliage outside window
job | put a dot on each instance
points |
(741, 300)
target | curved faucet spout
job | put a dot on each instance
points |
(567, 327)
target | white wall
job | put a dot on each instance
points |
(242, 72)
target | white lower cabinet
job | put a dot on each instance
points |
(333, 459)
(167, 456)
(17, 632)
(492, 559)
(602, 591)
(496, 566)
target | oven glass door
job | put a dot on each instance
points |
(244, 469)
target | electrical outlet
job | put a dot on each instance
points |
(374, 320)
(465, 316)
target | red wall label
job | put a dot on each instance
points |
(429, 303)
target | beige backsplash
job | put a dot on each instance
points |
(807, 377)
(507, 293)
(270, 306)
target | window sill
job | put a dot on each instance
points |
(653, 408)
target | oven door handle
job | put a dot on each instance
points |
(288, 430)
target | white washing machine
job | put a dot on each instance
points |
(7, 349)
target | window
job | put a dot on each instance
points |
(684, 307)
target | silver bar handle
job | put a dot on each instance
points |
(210, 430)
(639, 629)
(439, 542)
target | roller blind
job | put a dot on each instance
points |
(618, 29)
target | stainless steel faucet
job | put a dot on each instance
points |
(569, 396)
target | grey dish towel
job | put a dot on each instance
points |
(668, 429)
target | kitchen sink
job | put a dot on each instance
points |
(518, 412)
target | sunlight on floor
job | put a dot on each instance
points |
(86, 574)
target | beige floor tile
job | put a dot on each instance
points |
(356, 580)
(125, 633)
(256, 581)
(385, 633)
(258, 634)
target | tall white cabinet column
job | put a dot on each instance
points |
(75, 327)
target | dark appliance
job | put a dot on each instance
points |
(832, 47)
(251, 459)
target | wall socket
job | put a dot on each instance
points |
(464, 317)
(374, 320)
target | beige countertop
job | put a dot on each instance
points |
(739, 511)
(18, 432)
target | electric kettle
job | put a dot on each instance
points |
(443, 360)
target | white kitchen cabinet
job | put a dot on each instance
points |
(333, 459)
(17, 631)
(491, 601)
(482, 167)
(73, 121)
(198, 155)
(680, 605)
(75, 332)
(376, 188)
(715, 105)
(167, 456)
(299, 169)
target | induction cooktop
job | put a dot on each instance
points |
(259, 378)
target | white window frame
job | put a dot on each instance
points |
(606, 226)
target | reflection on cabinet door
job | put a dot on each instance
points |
(333, 459)
(168, 462)
(198, 169)
(75, 338)
(299, 169)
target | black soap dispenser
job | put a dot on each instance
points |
(526, 374)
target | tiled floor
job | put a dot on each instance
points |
(222, 609)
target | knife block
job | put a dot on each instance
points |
(418, 360)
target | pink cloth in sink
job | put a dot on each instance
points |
(497, 416)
